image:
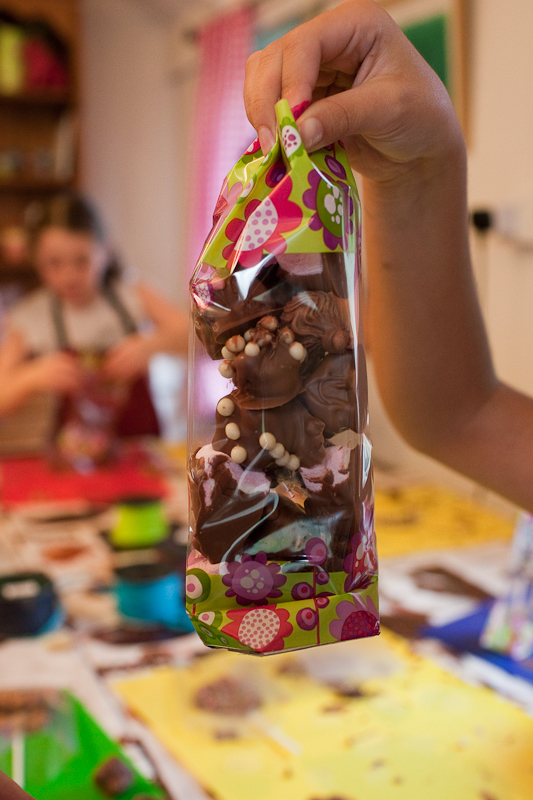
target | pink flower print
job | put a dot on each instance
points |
(322, 577)
(307, 619)
(334, 209)
(250, 151)
(276, 172)
(252, 580)
(235, 228)
(336, 167)
(226, 201)
(298, 110)
(316, 551)
(361, 563)
(260, 629)
(265, 225)
(355, 621)
(202, 294)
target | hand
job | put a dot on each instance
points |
(368, 85)
(57, 372)
(129, 358)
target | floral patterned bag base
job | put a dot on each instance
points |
(282, 550)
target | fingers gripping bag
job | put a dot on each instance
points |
(282, 549)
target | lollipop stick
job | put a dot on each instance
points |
(17, 757)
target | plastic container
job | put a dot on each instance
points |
(152, 592)
(282, 548)
(140, 523)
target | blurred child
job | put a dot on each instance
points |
(86, 335)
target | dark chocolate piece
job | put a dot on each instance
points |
(223, 307)
(114, 777)
(330, 393)
(292, 426)
(315, 272)
(226, 502)
(321, 321)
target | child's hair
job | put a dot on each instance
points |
(78, 215)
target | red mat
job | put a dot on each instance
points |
(31, 480)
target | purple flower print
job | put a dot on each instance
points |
(252, 580)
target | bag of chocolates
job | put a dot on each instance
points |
(282, 549)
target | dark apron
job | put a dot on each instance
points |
(137, 416)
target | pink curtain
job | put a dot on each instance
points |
(221, 131)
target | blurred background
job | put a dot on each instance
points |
(145, 116)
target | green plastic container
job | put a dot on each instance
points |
(141, 523)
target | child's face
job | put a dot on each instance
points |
(70, 263)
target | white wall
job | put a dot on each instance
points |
(131, 133)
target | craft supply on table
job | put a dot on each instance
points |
(140, 523)
(56, 751)
(372, 721)
(29, 605)
(31, 481)
(151, 590)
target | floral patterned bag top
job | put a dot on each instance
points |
(282, 550)
(284, 202)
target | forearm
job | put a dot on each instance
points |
(427, 336)
(16, 387)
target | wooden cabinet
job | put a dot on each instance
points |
(39, 142)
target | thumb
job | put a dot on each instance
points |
(362, 110)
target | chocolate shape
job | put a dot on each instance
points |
(330, 393)
(269, 379)
(321, 321)
(315, 272)
(226, 502)
(223, 307)
(284, 532)
(292, 425)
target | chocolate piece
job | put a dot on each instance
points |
(321, 321)
(283, 533)
(315, 272)
(226, 502)
(270, 375)
(291, 426)
(227, 696)
(114, 777)
(330, 393)
(223, 307)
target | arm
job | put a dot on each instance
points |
(20, 378)
(429, 345)
(170, 335)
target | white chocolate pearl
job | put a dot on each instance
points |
(252, 349)
(294, 463)
(238, 454)
(227, 354)
(226, 407)
(270, 323)
(235, 344)
(284, 460)
(225, 369)
(277, 451)
(233, 431)
(286, 336)
(267, 441)
(297, 351)
(247, 336)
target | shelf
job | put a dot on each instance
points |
(41, 98)
(33, 185)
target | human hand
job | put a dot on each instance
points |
(129, 358)
(368, 86)
(57, 372)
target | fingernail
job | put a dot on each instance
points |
(311, 131)
(266, 139)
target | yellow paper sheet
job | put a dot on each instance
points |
(417, 518)
(417, 734)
